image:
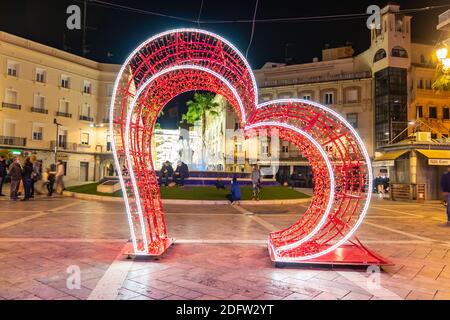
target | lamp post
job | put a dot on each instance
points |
(57, 138)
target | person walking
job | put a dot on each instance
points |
(256, 182)
(27, 173)
(60, 187)
(3, 174)
(36, 175)
(48, 177)
(445, 185)
(15, 174)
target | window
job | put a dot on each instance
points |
(428, 84)
(13, 69)
(109, 90)
(380, 55)
(11, 96)
(87, 87)
(420, 84)
(85, 139)
(38, 132)
(352, 118)
(86, 110)
(39, 102)
(65, 81)
(446, 113)
(352, 95)
(237, 126)
(432, 112)
(40, 75)
(329, 98)
(307, 97)
(399, 52)
(62, 139)
(419, 111)
(64, 106)
(285, 149)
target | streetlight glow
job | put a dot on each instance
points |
(446, 63)
(442, 53)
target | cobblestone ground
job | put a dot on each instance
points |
(220, 254)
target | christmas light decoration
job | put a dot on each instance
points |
(183, 60)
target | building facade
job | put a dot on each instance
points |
(40, 85)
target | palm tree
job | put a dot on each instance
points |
(198, 108)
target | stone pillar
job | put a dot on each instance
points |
(413, 167)
(97, 168)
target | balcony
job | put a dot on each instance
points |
(13, 141)
(11, 106)
(64, 146)
(39, 110)
(86, 118)
(317, 79)
(63, 114)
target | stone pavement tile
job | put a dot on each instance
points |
(357, 296)
(281, 288)
(327, 275)
(327, 296)
(26, 296)
(442, 295)
(47, 292)
(237, 297)
(299, 296)
(207, 297)
(354, 286)
(206, 290)
(145, 290)
(429, 272)
(175, 290)
(407, 272)
(141, 297)
(68, 298)
(417, 295)
(267, 296)
(90, 284)
(237, 286)
(125, 294)
(174, 297)
(316, 284)
(147, 278)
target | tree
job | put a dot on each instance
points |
(198, 108)
(442, 82)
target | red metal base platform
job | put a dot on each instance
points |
(155, 250)
(354, 254)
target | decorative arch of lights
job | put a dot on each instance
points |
(182, 60)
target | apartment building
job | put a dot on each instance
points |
(51, 101)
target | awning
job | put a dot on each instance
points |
(435, 154)
(391, 155)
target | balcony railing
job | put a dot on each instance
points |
(63, 114)
(64, 145)
(39, 110)
(86, 118)
(13, 141)
(11, 106)
(317, 79)
(105, 120)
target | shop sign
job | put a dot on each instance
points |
(387, 163)
(439, 162)
(62, 157)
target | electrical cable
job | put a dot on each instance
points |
(253, 29)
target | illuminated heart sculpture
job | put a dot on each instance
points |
(184, 60)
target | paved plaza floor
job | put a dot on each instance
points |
(220, 253)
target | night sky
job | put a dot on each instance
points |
(119, 32)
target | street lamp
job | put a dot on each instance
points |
(57, 138)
